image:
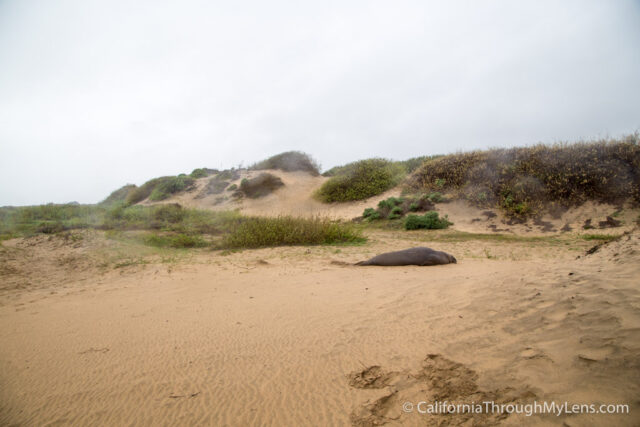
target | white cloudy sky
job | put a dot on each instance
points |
(96, 94)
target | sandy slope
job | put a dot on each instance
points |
(294, 198)
(282, 336)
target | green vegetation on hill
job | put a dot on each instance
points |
(429, 221)
(171, 225)
(120, 195)
(523, 181)
(159, 188)
(397, 207)
(260, 186)
(257, 232)
(171, 185)
(361, 180)
(289, 161)
(410, 165)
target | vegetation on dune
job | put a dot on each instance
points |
(30, 220)
(168, 217)
(410, 165)
(257, 232)
(429, 221)
(202, 172)
(289, 161)
(119, 195)
(171, 185)
(171, 225)
(179, 240)
(138, 194)
(361, 180)
(523, 181)
(214, 186)
(260, 186)
(161, 188)
(397, 207)
(50, 218)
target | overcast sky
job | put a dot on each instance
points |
(97, 94)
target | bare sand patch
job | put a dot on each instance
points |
(284, 336)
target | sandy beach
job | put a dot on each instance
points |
(293, 336)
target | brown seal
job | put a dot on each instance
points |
(414, 256)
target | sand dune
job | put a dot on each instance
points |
(286, 337)
(296, 198)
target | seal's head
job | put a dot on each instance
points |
(452, 259)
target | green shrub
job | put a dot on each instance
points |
(260, 186)
(169, 186)
(289, 161)
(413, 207)
(254, 232)
(522, 181)
(430, 221)
(414, 163)
(368, 212)
(390, 203)
(159, 188)
(119, 195)
(171, 213)
(435, 197)
(199, 173)
(232, 187)
(371, 214)
(138, 194)
(395, 213)
(175, 241)
(361, 180)
(50, 227)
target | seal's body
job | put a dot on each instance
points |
(414, 256)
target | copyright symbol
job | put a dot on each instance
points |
(407, 407)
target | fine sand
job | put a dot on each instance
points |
(291, 336)
(97, 331)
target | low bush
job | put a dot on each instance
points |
(414, 163)
(435, 197)
(171, 213)
(396, 207)
(430, 221)
(395, 213)
(175, 241)
(254, 232)
(289, 161)
(214, 186)
(361, 180)
(159, 188)
(201, 173)
(523, 181)
(261, 185)
(138, 194)
(369, 212)
(119, 195)
(168, 186)
(390, 203)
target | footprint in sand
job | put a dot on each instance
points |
(439, 379)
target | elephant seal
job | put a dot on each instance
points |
(414, 256)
